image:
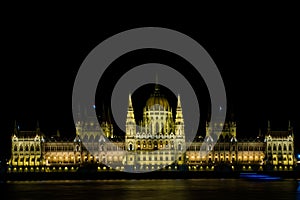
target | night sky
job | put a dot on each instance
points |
(257, 58)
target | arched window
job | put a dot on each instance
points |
(161, 144)
(157, 127)
(290, 147)
(85, 138)
(284, 147)
(274, 147)
(144, 144)
(130, 147)
(15, 148)
(31, 148)
(150, 144)
(21, 148)
(26, 148)
(155, 145)
(209, 148)
(172, 145)
(279, 147)
(37, 148)
(269, 148)
(138, 143)
(179, 147)
(92, 138)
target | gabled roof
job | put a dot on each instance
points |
(28, 134)
(279, 134)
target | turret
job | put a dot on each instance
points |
(179, 121)
(130, 120)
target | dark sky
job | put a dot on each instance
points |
(257, 57)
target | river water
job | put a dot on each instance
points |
(176, 189)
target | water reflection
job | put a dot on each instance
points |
(152, 189)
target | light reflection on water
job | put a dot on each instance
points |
(151, 189)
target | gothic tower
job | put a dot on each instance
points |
(179, 132)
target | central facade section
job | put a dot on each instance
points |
(157, 140)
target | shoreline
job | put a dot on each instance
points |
(118, 175)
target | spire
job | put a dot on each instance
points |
(259, 132)
(58, 133)
(179, 116)
(129, 101)
(37, 126)
(178, 102)
(289, 127)
(130, 120)
(269, 126)
(130, 113)
(15, 128)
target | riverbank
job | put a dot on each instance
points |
(114, 175)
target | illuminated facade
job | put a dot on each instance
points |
(280, 147)
(157, 141)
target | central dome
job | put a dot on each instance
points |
(157, 99)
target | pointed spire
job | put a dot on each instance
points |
(130, 113)
(289, 127)
(129, 101)
(37, 126)
(15, 128)
(179, 115)
(269, 126)
(130, 120)
(178, 102)
(58, 133)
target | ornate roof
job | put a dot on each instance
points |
(157, 98)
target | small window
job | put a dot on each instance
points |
(179, 147)
(269, 148)
(130, 147)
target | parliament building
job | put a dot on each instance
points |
(157, 142)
